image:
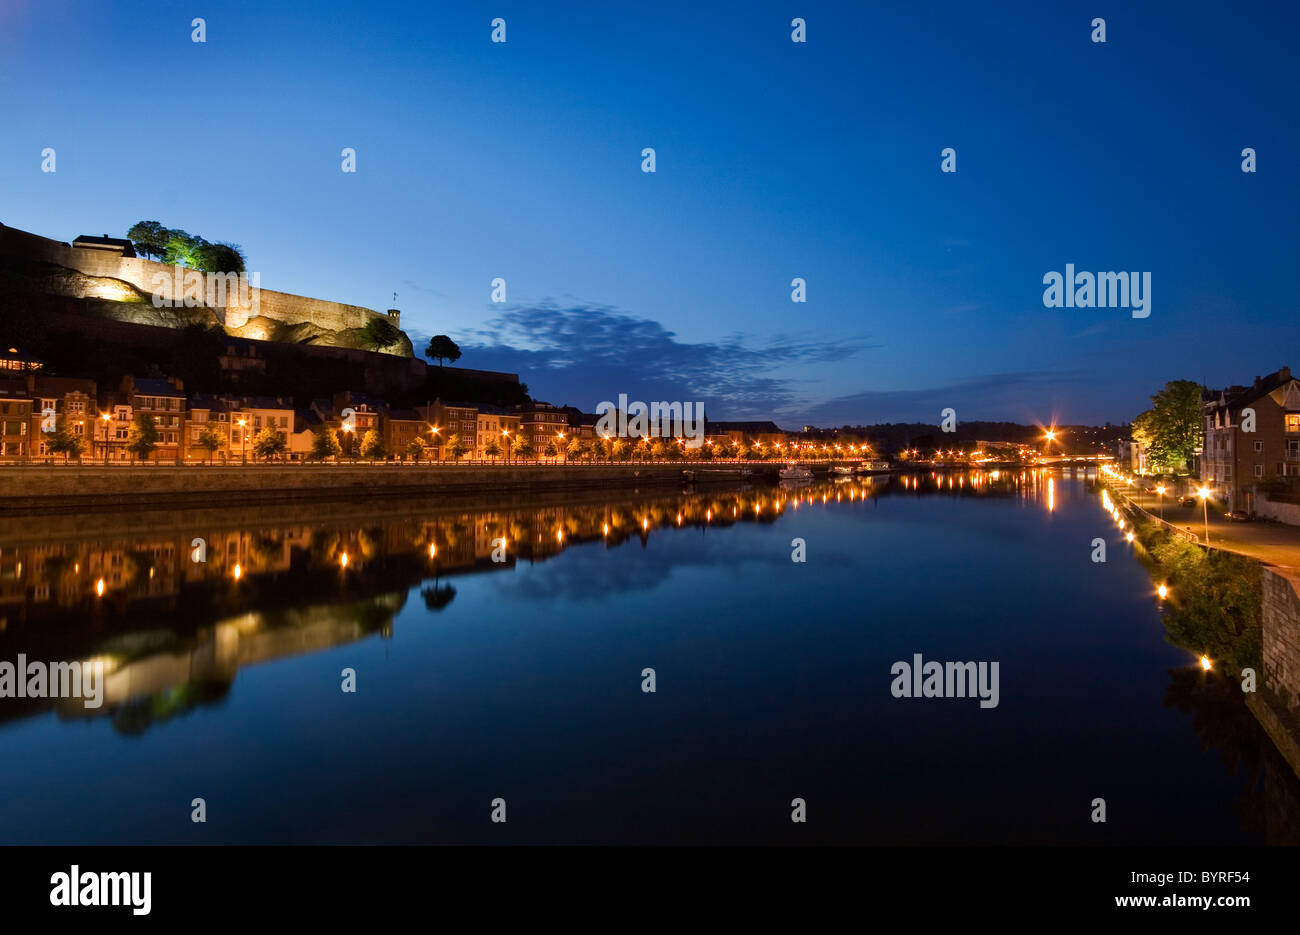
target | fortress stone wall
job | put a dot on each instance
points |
(239, 309)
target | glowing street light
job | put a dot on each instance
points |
(104, 418)
(1163, 591)
(1204, 494)
(1160, 493)
(1206, 663)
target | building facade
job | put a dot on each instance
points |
(163, 401)
(1252, 439)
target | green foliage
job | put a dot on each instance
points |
(551, 451)
(150, 239)
(379, 333)
(210, 440)
(179, 248)
(442, 348)
(415, 450)
(182, 249)
(521, 447)
(63, 441)
(454, 447)
(325, 444)
(492, 449)
(218, 257)
(1171, 428)
(268, 443)
(142, 437)
(372, 445)
(1216, 598)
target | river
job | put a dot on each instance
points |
(516, 688)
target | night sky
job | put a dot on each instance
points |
(775, 160)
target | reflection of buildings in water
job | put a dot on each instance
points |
(137, 668)
(120, 572)
(166, 621)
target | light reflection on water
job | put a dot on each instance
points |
(521, 677)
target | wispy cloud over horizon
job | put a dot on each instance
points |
(583, 354)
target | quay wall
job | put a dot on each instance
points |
(85, 487)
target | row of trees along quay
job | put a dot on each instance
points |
(270, 445)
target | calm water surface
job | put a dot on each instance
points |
(522, 679)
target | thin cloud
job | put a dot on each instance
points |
(583, 354)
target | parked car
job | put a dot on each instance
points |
(1187, 501)
(1238, 516)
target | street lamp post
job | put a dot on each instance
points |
(103, 416)
(243, 441)
(1204, 494)
(564, 455)
(1160, 494)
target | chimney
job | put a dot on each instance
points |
(1285, 373)
(1257, 381)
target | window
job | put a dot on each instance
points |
(1259, 470)
(1259, 446)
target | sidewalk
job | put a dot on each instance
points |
(1272, 543)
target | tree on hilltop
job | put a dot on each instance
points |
(219, 257)
(442, 348)
(150, 238)
(180, 248)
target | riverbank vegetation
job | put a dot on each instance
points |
(1215, 596)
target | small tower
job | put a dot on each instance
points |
(395, 316)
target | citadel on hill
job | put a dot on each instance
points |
(146, 292)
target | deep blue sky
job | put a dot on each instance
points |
(775, 160)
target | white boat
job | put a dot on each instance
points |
(794, 471)
(842, 469)
(867, 467)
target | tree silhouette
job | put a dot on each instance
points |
(442, 348)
